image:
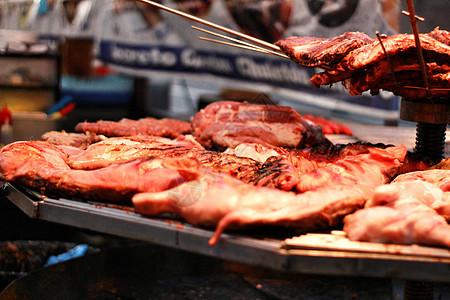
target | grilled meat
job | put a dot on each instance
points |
(124, 149)
(372, 169)
(226, 203)
(361, 64)
(440, 178)
(321, 52)
(77, 140)
(403, 213)
(41, 165)
(146, 126)
(442, 36)
(227, 124)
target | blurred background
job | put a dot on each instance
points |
(77, 60)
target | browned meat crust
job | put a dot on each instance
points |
(361, 64)
(319, 52)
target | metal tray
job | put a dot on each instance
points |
(330, 254)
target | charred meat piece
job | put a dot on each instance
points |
(367, 68)
(41, 165)
(223, 202)
(321, 52)
(407, 73)
(402, 213)
(439, 178)
(227, 124)
(146, 126)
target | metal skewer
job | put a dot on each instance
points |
(213, 25)
(406, 13)
(247, 45)
(262, 50)
(415, 30)
(387, 57)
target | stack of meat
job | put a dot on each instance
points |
(361, 63)
(240, 166)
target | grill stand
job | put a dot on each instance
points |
(432, 117)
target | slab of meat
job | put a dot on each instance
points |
(146, 126)
(361, 64)
(125, 149)
(77, 140)
(41, 165)
(20, 161)
(402, 213)
(276, 173)
(321, 52)
(371, 169)
(227, 124)
(226, 203)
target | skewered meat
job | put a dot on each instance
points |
(361, 64)
(402, 213)
(321, 52)
(398, 47)
(442, 36)
(146, 126)
(223, 202)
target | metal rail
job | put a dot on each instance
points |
(418, 263)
